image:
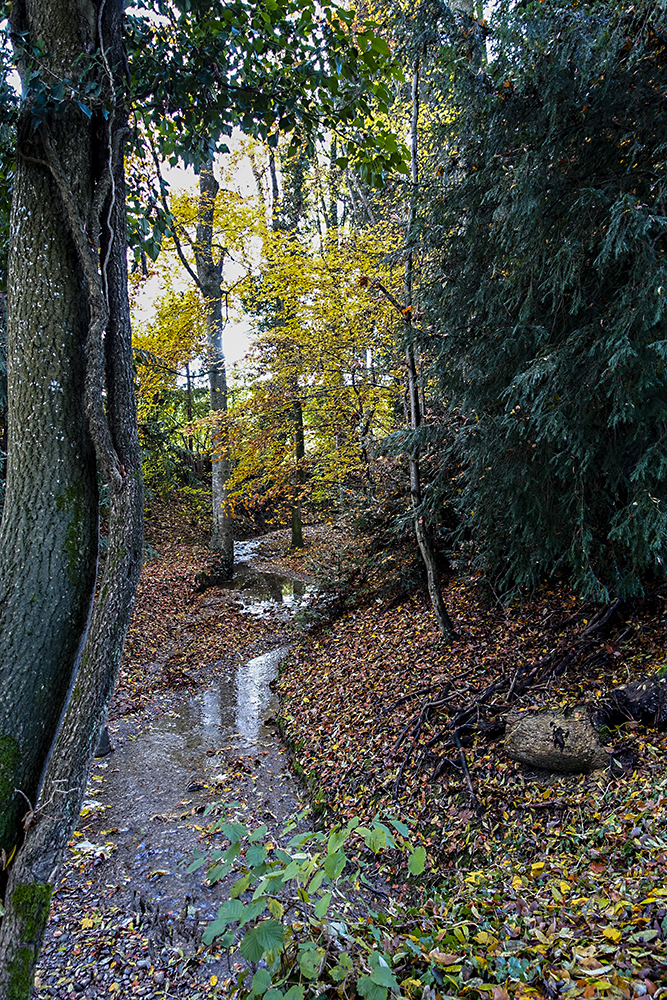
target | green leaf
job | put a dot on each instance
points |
(322, 905)
(367, 988)
(400, 827)
(310, 960)
(295, 993)
(258, 833)
(334, 864)
(234, 831)
(417, 861)
(218, 872)
(231, 911)
(255, 855)
(336, 840)
(342, 968)
(213, 931)
(239, 886)
(383, 976)
(261, 982)
(266, 936)
(316, 881)
(377, 840)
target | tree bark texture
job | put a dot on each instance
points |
(48, 537)
(421, 533)
(209, 275)
(57, 674)
(296, 416)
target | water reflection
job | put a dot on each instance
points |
(235, 709)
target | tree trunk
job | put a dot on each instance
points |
(69, 335)
(48, 537)
(209, 274)
(424, 542)
(299, 455)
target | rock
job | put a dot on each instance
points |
(554, 741)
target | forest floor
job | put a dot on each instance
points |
(536, 884)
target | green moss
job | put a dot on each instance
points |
(31, 904)
(19, 984)
(72, 501)
(10, 755)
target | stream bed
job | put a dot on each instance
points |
(143, 817)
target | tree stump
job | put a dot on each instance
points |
(644, 701)
(555, 742)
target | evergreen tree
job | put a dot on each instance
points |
(545, 233)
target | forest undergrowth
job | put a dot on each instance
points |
(534, 884)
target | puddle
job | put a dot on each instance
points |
(217, 746)
(260, 593)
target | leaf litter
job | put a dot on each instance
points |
(555, 887)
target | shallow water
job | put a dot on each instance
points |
(260, 593)
(220, 744)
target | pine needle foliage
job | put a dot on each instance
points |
(544, 225)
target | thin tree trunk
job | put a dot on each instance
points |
(299, 455)
(209, 275)
(334, 185)
(423, 540)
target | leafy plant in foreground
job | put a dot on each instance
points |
(292, 930)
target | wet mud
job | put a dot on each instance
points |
(126, 911)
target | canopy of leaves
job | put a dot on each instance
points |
(544, 219)
(325, 343)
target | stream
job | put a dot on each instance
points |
(143, 817)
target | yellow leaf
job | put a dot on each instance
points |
(612, 934)
(516, 882)
(473, 877)
(87, 922)
(213, 980)
(442, 958)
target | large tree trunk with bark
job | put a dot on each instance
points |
(69, 351)
(209, 275)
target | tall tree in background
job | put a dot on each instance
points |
(287, 215)
(210, 262)
(421, 530)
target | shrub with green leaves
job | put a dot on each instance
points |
(288, 915)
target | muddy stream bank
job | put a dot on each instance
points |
(127, 916)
